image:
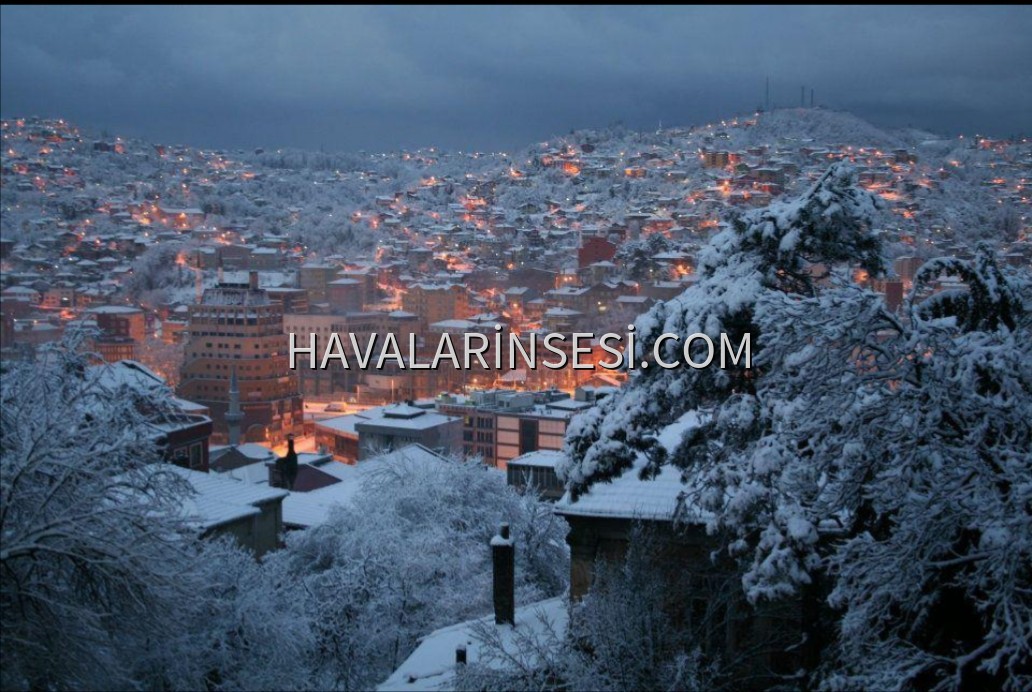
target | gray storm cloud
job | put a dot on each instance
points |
(491, 78)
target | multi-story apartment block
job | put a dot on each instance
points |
(436, 302)
(121, 329)
(237, 328)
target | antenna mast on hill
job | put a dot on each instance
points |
(766, 99)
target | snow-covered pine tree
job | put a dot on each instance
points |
(785, 248)
(891, 459)
(934, 579)
(887, 456)
(635, 257)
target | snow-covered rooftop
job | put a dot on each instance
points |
(219, 500)
(628, 496)
(432, 665)
(314, 507)
(384, 418)
(543, 457)
(115, 310)
(344, 424)
(570, 405)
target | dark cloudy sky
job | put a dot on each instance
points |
(496, 78)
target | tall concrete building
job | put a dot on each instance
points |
(436, 302)
(122, 329)
(237, 329)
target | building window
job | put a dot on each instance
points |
(528, 435)
(196, 456)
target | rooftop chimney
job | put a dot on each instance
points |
(252, 278)
(460, 655)
(503, 555)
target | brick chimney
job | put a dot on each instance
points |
(503, 555)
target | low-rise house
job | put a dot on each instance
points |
(398, 425)
(182, 432)
(221, 506)
(536, 471)
(760, 644)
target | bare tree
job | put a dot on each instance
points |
(89, 521)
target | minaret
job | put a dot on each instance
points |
(234, 416)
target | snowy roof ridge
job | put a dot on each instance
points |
(628, 496)
(432, 665)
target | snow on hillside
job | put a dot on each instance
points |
(821, 126)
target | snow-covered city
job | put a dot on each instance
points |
(188, 502)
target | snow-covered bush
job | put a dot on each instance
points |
(621, 636)
(409, 556)
(102, 584)
(87, 527)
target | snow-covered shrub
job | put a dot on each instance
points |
(621, 636)
(411, 555)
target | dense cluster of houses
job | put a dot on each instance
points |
(538, 244)
(201, 263)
